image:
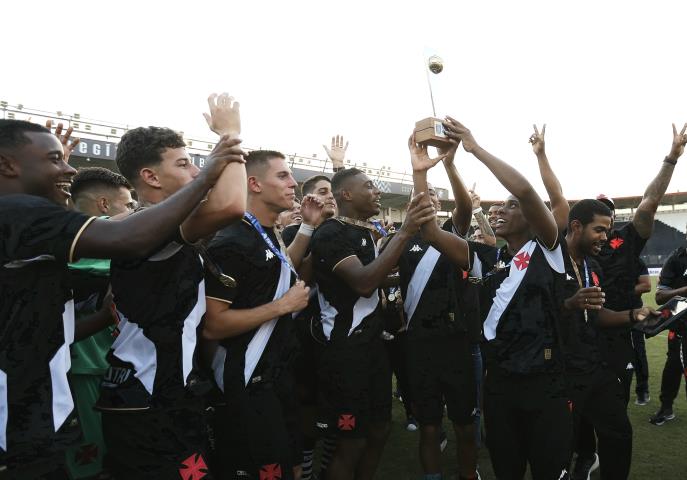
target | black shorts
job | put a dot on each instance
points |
(354, 387)
(156, 443)
(257, 433)
(306, 363)
(441, 372)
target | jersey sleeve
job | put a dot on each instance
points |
(289, 234)
(636, 241)
(330, 245)
(231, 260)
(33, 226)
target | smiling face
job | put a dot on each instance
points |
(364, 196)
(593, 236)
(510, 220)
(41, 170)
(291, 216)
(323, 191)
(493, 214)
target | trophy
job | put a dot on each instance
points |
(430, 131)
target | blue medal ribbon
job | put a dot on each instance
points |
(268, 241)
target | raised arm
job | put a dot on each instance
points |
(365, 279)
(337, 153)
(536, 213)
(643, 219)
(559, 204)
(311, 211)
(138, 235)
(226, 202)
(447, 243)
(481, 219)
(462, 213)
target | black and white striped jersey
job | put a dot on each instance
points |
(160, 302)
(36, 323)
(260, 277)
(525, 295)
(344, 313)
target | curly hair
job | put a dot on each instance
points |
(142, 147)
(12, 132)
(96, 177)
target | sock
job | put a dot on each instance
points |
(307, 464)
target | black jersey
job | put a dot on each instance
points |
(580, 334)
(160, 302)
(428, 284)
(525, 297)
(36, 321)
(289, 233)
(673, 276)
(619, 259)
(260, 278)
(344, 313)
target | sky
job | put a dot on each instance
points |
(607, 77)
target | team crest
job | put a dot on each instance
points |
(522, 260)
(616, 243)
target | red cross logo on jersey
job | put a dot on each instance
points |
(87, 454)
(270, 472)
(193, 468)
(595, 279)
(522, 260)
(346, 422)
(616, 243)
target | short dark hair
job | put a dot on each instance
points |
(143, 147)
(12, 132)
(96, 177)
(341, 177)
(584, 211)
(260, 158)
(309, 185)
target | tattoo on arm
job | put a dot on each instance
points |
(644, 216)
(481, 220)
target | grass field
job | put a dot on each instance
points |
(658, 452)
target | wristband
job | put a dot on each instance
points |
(338, 169)
(306, 230)
(671, 162)
(477, 210)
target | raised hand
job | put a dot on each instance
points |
(228, 150)
(537, 140)
(419, 156)
(337, 152)
(591, 298)
(311, 210)
(679, 141)
(68, 143)
(476, 200)
(224, 117)
(460, 133)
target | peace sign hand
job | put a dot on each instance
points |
(679, 141)
(537, 140)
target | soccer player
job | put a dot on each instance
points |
(97, 192)
(438, 348)
(484, 233)
(151, 396)
(256, 433)
(595, 393)
(619, 260)
(354, 376)
(672, 282)
(291, 217)
(526, 412)
(37, 318)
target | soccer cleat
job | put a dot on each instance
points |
(584, 466)
(662, 416)
(642, 398)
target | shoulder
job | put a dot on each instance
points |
(289, 233)
(331, 226)
(237, 234)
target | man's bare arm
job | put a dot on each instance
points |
(559, 204)
(643, 219)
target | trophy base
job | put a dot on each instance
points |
(430, 131)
